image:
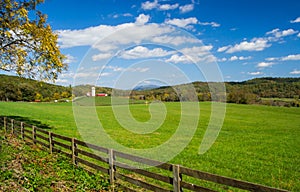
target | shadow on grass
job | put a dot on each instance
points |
(29, 121)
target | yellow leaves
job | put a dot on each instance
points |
(8, 34)
(11, 14)
(23, 13)
(30, 46)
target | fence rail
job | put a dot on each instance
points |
(161, 177)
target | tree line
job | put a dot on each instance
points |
(247, 92)
(253, 91)
(14, 88)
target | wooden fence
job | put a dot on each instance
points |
(160, 177)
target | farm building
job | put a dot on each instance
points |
(101, 95)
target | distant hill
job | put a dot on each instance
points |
(146, 87)
(14, 88)
(264, 87)
(250, 91)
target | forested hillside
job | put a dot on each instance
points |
(268, 87)
(247, 92)
(14, 88)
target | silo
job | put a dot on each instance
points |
(93, 92)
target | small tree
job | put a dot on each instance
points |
(56, 96)
(38, 97)
(28, 46)
(65, 94)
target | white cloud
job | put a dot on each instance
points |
(67, 74)
(271, 59)
(193, 54)
(295, 72)
(114, 68)
(142, 19)
(222, 59)
(179, 59)
(174, 40)
(297, 20)
(265, 64)
(213, 24)
(144, 52)
(285, 58)
(288, 32)
(241, 58)
(298, 35)
(255, 73)
(65, 78)
(138, 69)
(186, 8)
(87, 36)
(199, 53)
(182, 22)
(245, 58)
(277, 34)
(63, 81)
(101, 56)
(105, 74)
(70, 59)
(105, 39)
(256, 44)
(122, 15)
(222, 49)
(97, 36)
(197, 50)
(104, 46)
(149, 5)
(165, 7)
(86, 75)
(291, 58)
(233, 58)
(186, 23)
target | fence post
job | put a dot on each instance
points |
(12, 126)
(50, 143)
(33, 134)
(176, 178)
(22, 130)
(74, 152)
(111, 167)
(5, 124)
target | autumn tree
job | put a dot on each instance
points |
(28, 46)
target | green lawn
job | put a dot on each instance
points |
(257, 143)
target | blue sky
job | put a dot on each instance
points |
(241, 39)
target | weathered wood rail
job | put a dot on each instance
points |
(161, 177)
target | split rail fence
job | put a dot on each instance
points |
(115, 164)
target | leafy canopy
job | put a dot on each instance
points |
(28, 46)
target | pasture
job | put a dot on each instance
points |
(257, 143)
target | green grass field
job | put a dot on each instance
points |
(257, 143)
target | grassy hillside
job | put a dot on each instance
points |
(257, 143)
(30, 168)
